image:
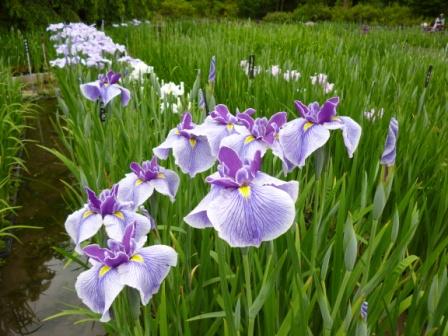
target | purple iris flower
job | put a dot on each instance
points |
(123, 263)
(244, 205)
(108, 210)
(105, 89)
(390, 147)
(258, 134)
(302, 136)
(218, 125)
(139, 185)
(191, 151)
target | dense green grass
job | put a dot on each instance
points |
(14, 113)
(304, 282)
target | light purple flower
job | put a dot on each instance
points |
(123, 263)
(108, 210)
(139, 185)
(201, 100)
(218, 125)
(302, 136)
(364, 310)
(257, 134)
(212, 70)
(390, 147)
(191, 151)
(244, 205)
(105, 89)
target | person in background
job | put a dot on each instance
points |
(439, 24)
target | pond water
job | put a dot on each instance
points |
(33, 281)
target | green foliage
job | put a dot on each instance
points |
(176, 8)
(347, 245)
(13, 115)
(278, 17)
(361, 13)
(312, 12)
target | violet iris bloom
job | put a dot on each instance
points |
(302, 136)
(390, 147)
(123, 263)
(105, 89)
(258, 134)
(218, 125)
(108, 210)
(244, 205)
(191, 150)
(139, 185)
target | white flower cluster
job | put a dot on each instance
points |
(274, 70)
(79, 43)
(139, 68)
(170, 96)
(374, 115)
(134, 22)
(322, 80)
(83, 44)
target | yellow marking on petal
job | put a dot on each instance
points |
(104, 270)
(249, 139)
(244, 191)
(307, 125)
(335, 118)
(119, 214)
(138, 182)
(229, 126)
(176, 132)
(192, 142)
(137, 258)
(161, 175)
(87, 213)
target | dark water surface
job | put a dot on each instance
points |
(33, 281)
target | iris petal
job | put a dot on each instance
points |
(98, 291)
(250, 218)
(193, 160)
(299, 144)
(147, 269)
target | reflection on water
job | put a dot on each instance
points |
(33, 281)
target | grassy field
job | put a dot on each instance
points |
(352, 241)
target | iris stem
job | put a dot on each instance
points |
(251, 321)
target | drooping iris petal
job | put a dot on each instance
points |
(197, 218)
(249, 216)
(167, 183)
(278, 151)
(109, 93)
(215, 133)
(98, 287)
(193, 155)
(351, 133)
(91, 91)
(146, 270)
(125, 95)
(300, 138)
(172, 140)
(290, 187)
(82, 225)
(390, 147)
(134, 190)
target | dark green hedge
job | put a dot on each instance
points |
(37, 13)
